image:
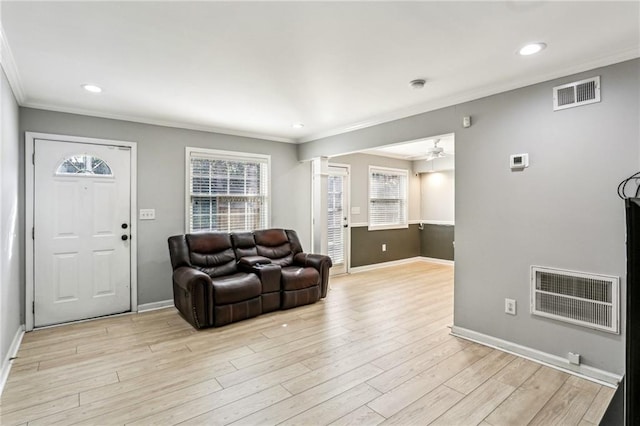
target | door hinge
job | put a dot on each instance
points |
(33, 307)
(33, 158)
(33, 233)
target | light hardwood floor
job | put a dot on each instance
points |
(377, 350)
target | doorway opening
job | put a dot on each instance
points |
(338, 217)
(428, 231)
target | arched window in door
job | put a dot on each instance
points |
(84, 164)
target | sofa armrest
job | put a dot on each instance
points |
(269, 273)
(250, 261)
(319, 262)
(192, 295)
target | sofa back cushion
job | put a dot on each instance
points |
(244, 244)
(274, 244)
(212, 253)
(292, 235)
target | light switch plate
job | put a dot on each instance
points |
(355, 210)
(147, 214)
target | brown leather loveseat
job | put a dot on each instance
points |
(219, 278)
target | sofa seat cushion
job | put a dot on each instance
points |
(299, 277)
(235, 288)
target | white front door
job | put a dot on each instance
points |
(82, 223)
(337, 218)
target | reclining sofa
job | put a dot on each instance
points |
(220, 278)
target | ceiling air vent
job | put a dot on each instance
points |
(575, 94)
(588, 300)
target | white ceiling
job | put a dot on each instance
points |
(415, 150)
(254, 68)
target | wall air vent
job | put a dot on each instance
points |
(588, 300)
(575, 94)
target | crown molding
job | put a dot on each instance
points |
(9, 66)
(163, 123)
(619, 56)
(10, 69)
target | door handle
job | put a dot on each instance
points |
(345, 226)
(125, 237)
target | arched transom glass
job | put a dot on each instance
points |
(84, 164)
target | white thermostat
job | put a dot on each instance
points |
(519, 161)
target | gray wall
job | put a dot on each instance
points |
(562, 211)
(437, 205)
(419, 126)
(161, 182)
(436, 241)
(437, 196)
(366, 246)
(11, 259)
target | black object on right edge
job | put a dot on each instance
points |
(632, 360)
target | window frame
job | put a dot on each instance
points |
(218, 154)
(85, 172)
(388, 170)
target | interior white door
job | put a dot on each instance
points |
(82, 256)
(337, 218)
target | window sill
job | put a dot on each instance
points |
(385, 227)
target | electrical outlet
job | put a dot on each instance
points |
(573, 358)
(384, 247)
(510, 306)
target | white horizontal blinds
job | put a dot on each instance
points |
(335, 217)
(228, 193)
(387, 198)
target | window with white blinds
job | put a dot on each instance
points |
(226, 191)
(388, 198)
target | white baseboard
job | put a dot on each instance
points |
(435, 260)
(398, 262)
(8, 360)
(155, 305)
(590, 373)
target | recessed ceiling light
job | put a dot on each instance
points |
(531, 49)
(297, 125)
(417, 83)
(92, 88)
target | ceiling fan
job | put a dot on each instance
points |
(435, 152)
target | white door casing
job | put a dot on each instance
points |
(79, 266)
(338, 229)
(82, 262)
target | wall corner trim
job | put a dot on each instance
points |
(8, 360)
(8, 64)
(145, 307)
(586, 372)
